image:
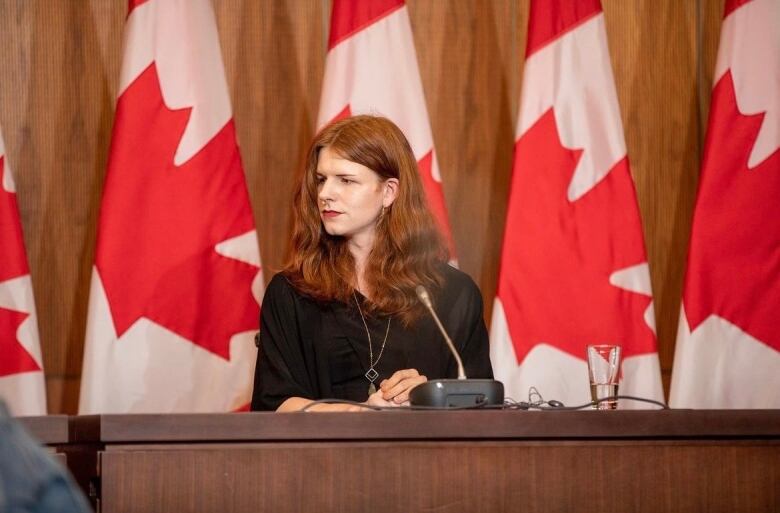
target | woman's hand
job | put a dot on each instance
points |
(396, 388)
(337, 407)
(294, 404)
(393, 391)
(376, 399)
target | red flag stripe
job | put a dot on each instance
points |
(132, 4)
(16, 359)
(733, 5)
(352, 16)
(13, 261)
(550, 19)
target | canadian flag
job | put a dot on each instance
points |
(22, 384)
(176, 285)
(728, 342)
(371, 68)
(573, 264)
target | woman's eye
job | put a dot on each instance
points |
(347, 180)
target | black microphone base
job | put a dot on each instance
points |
(457, 393)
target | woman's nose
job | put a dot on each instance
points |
(325, 191)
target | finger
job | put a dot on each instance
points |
(344, 407)
(336, 408)
(397, 377)
(376, 399)
(404, 386)
(403, 397)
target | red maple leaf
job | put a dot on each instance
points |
(344, 114)
(159, 224)
(558, 254)
(734, 257)
(15, 358)
(13, 263)
(13, 260)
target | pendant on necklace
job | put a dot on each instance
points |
(371, 376)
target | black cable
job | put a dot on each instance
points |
(339, 401)
(509, 404)
(396, 408)
(663, 406)
(536, 401)
(591, 404)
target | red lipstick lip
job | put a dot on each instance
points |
(330, 213)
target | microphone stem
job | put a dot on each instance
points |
(461, 372)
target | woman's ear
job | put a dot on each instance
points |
(390, 191)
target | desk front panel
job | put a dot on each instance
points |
(476, 476)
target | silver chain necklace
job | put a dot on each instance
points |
(371, 374)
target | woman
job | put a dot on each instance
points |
(342, 319)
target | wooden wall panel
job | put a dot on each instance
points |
(274, 58)
(469, 62)
(59, 68)
(653, 51)
(57, 110)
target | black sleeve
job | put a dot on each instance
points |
(476, 350)
(280, 372)
(466, 324)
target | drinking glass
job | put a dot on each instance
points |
(604, 372)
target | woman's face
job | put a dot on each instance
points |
(350, 195)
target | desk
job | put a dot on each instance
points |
(469, 461)
(50, 430)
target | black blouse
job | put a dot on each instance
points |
(320, 350)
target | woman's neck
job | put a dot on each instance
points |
(360, 248)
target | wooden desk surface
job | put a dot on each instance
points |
(433, 425)
(48, 429)
(451, 461)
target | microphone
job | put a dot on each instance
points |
(453, 393)
(425, 299)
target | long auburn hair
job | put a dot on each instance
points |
(408, 248)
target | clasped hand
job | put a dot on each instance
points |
(394, 391)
